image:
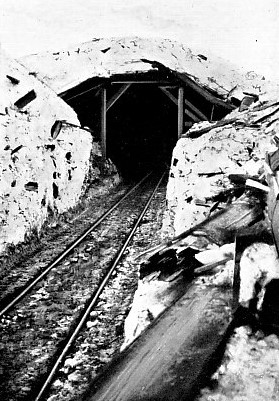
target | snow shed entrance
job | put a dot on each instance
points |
(139, 117)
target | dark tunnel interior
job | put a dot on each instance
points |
(141, 125)
(142, 129)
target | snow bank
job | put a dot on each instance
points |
(238, 147)
(38, 172)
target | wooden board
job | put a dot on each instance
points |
(104, 122)
(180, 111)
(169, 359)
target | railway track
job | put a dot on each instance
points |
(7, 305)
(19, 267)
(44, 295)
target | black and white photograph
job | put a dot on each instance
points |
(139, 200)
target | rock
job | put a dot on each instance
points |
(71, 362)
(104, 359)
(262, 344)
(74, 377)
(58, 383)
(259, 264)
(272, 340)
(91, 324)
(224, 277)
(94, 314)
(216, 254)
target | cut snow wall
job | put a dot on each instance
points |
(37, 172)
(238, 147)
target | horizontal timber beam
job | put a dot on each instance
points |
(142, 82)
(117, 95)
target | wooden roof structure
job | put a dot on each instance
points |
(121, 63)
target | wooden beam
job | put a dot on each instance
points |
(13, 80)
(104, 122)
(64, 94)
(180, 112)
(203, 92)
(195, 110)
(221, 123)
(189, 82)
(212, 111)
(169, 95)
(24, 100)
(117, 95)
(192, 116)
(142, 82)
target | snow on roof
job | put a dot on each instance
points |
(107, 57)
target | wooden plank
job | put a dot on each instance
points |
(221, 123)
(13, 80)
(169, 95)
(117, 95)
(221, 225)
(171, 357)
(56, 128)
(180, 112)
(104, 122)
(169, 360)
(26, 99)
(195, 110)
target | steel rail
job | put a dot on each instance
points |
(85, 313)
(67, 251)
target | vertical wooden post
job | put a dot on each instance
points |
(180, 105)
(104, 122)
(212, 111)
